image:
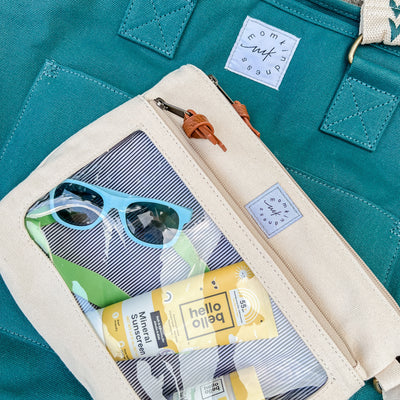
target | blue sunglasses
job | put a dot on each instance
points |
(149, 222)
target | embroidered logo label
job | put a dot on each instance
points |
(262, 53)
(273, 210)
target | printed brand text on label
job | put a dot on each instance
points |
(262, 53)
(273, 210)
(207, 316)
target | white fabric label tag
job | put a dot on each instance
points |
(262, 53)
(273, 210)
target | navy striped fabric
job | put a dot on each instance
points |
(285, 367)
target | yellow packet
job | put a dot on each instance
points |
(239, 385)
(219, 307)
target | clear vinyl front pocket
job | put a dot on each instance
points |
(170, 297)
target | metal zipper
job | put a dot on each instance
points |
(342, 345)
(369, 273)
(214, 80)
(180, 112)
(340, 342)
(194, 125)
(383, 290)
(240, 108)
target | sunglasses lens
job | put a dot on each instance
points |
(152, 223)
(76, 204)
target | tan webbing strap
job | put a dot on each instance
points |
(380, 22)
(389, 381)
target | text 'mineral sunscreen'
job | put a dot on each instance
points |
(224, 306)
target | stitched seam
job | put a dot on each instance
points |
(170, 52)
(388, 116)
(358, 109)
(250, 242)
(34, 87)
(334, 103)
(162, 16)
(366, 85)
(182, 25)
(338, 10)
(303, 200)
(100, 83)
(389, 269)
(147, 43)
(215, 217)
(64, 288)
(372, 87)
(265, 283)
(159, 25)
(128, 13)
(350, 138)
(384, 48)
(21, 115)
(309, 17)
(360, 113)
(53, 73)
(396, 230)
(331, 110)
(315, 180)
(397, 223)
(25, 338)
(387, 49)
(327, 126)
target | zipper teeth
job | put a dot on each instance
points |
(370, 274)
(192, 148)
(289, 268)
(339, 341)
(365, 268)
(342, 344)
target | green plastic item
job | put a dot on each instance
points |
(93, 66)
(91, 285)
(81, 281)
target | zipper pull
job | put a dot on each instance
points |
(237, 105)
(180, 112)
(195, 125)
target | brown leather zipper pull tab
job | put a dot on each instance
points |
(194, 125)
(237, 105)
(242, 111)
(199, 127)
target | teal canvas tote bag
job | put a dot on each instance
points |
(333, 125)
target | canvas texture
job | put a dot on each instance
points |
(333, 253)
(380, 22)
(92, 69)
(100, 379)
(135, 166)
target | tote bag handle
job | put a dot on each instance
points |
(380, 22)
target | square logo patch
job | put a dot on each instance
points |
(262, 53)
(273, 210)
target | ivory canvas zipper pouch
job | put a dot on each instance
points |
(163, 247)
